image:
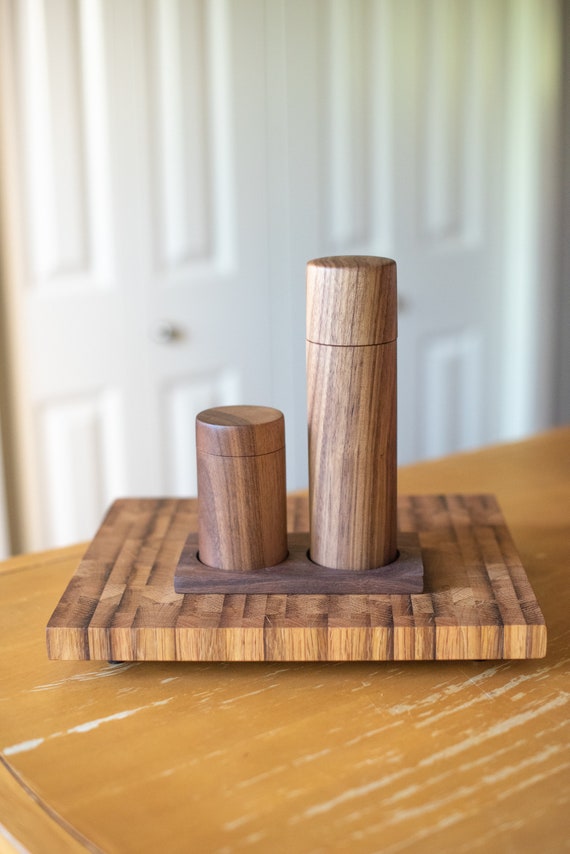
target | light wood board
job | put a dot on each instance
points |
(477, 602)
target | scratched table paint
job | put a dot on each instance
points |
(423, 756)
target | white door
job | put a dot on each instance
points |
(174, 164)
(425, 130)
(144, 291)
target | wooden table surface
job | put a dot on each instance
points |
(425, 756)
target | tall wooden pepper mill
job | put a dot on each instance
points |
(351, 384)
(242, 503)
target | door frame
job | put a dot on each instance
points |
(5, 549)
(18, 499)
(534, 69)
(562, 402)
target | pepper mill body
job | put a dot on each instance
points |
(351, 387)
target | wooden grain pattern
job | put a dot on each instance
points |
(242, 517)
(351, 395)
(352, 301)
(352, 455)
(240, 431)
(298, 575)
(121, 604)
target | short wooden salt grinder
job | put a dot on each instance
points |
(351, 384)
(242, 509)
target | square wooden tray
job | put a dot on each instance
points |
(477, 603)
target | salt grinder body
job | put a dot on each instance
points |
(351, 386)
(242, 510)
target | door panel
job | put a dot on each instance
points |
(80, 441)
(182, 399)
(65, 178)
(451, 398)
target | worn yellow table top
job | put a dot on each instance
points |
(448, 756)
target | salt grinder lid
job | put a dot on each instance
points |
(240, 431)
(352, 300)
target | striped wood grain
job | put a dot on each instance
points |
(477, 601)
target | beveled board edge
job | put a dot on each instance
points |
(121, 607)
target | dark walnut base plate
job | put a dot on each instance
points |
(477, 602)
(299, 575)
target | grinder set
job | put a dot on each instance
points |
(365, 574)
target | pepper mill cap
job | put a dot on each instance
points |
(240, 431)
(352, 300)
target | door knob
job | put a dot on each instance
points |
(166, 332)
